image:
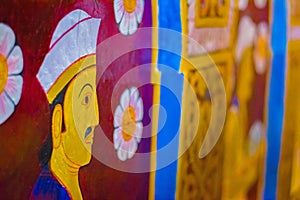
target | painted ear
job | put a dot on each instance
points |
(56, 126)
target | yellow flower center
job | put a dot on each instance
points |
(128, 123)
(3, 73)
(129, 5)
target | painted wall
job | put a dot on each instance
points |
(149, 99)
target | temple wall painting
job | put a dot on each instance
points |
(149, 99)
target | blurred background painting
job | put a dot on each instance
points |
(150, 99)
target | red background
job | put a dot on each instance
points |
(22, 135)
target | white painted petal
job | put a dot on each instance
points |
(125, 98)
(133, 24)
(255, 135)
(132, 147)
(119, 10)
(190, 2)
(261, 60)
(247, 32)
(122, 155)
(263, 29)
(134, 95)
(243, 4)
(6, 107)
(125, 146)
(14, 88)
(118, 138)
(139, 10)
(7, 39)
(15, 61)
(260, 3)
(124, 25)
(118, 116)
(139, 109)
(132, 90)
(260, 64)
(138, 131)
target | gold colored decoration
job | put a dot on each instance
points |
(230, 170)
(211, 13)
(289, 166)
(243, 170)
(211, 35)
(201, 178)
(294, 8)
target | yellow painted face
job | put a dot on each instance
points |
(80, 116)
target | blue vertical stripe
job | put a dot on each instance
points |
(170, 100)
(276, 96)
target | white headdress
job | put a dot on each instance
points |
(74, 39)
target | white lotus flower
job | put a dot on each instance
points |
(128, 15)
(128, 124)
(11, 66)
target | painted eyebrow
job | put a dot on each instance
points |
(86, 85)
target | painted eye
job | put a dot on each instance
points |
(86, 100)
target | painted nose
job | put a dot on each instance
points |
(88, 131)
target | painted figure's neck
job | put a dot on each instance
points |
(66, 172)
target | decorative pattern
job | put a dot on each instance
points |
(243, 4)
(245, 137)
(294, 22)
(128, 15)
(289, 173)
(198, 178)
(256, 133)
(207, 172)
(251, 35)
(211, 13)
(11, 65)
(290, 142)
(261, 50)
(234, 168)
(211, 35)
(128, 124)
(247, 31)
(294, 6)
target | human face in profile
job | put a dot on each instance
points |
(81, 117)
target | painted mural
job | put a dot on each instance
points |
(149, 99)
(53, 65)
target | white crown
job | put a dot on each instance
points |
(74, 37)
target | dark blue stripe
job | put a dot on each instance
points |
(276, 97)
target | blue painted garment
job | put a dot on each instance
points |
(47, 187)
